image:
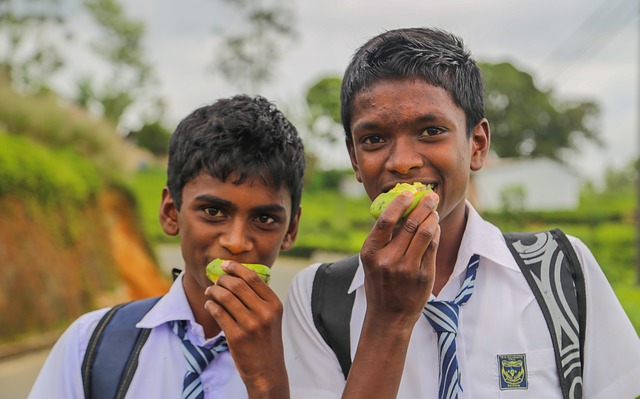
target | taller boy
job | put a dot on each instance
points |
(412, 109)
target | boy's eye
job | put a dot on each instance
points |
(373, 139)
(212, 211)
(432, 131)
(266, 219)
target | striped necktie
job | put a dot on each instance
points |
(198, 357)
(443, 316)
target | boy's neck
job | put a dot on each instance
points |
(196, 301)
(452, 230)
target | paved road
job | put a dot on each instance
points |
(17, 374)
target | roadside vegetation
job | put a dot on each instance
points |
(334, 223)
(60, 169)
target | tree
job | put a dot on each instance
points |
(323, 102)
(29, 55)
(248, 52)
(121, 47)
(153, 136)
(526, 120)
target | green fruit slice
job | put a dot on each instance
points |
(214, 270)
(380, 203)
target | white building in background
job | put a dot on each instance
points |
(534, 184)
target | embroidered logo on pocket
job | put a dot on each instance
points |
(513, 371)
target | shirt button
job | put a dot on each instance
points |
(207, 388)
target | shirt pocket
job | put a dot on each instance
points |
(539, 379)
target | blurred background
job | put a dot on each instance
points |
(91, 90)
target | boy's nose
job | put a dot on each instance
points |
(235, 239)
(404, 158)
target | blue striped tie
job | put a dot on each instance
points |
(443, 316)
(198, 358)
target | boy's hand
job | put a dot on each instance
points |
(250, 314)
(400, 260)
(400, 266)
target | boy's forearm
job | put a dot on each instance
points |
(378, 364)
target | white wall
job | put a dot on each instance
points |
(546, 184)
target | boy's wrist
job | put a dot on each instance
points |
(390, 323)
(275, 386)
(270, 380)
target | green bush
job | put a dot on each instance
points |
(46, 119)
(51, 176)
(333, 223)
(146, 186)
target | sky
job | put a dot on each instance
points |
(583, 49)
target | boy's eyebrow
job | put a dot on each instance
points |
(372, 126)
(275, 208)
(366, 125)
(214, 200)
(271, 208)
(428, 118)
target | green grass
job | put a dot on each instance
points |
(629, 296)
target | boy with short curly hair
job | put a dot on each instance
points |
(233, 192)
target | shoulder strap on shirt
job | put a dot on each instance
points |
(331, 306)
(112, 354)
(553, 271)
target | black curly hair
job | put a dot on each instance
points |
(243, 136)
(436, 56)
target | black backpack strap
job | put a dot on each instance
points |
(107, 371)
(331, 306)
(552, 270)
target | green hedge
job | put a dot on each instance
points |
(51, 176)
(49, 120)
(147, 186)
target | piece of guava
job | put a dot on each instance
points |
(214, 270)
(380, 203)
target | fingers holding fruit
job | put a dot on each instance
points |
(396, 214)
(399, 254)
(245, 282)
(240, 300)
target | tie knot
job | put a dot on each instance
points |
(198, 357)
(443, 316)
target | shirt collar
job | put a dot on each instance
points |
(175, 306)
(480, 237)
(172, 306)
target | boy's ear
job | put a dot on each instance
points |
(354, 159)
(168, 214)
(292, 231)
(480, 141)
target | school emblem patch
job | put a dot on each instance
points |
(513, 372)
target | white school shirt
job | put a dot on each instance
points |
(502, 317)
(161, 366)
